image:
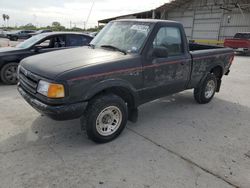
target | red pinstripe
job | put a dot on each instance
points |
(139, 68)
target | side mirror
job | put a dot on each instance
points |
(36, 49)
(160, 52)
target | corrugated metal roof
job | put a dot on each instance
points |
(167, 6)
(137, 15)
(229, 4)
(172, 4)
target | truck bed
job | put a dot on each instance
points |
(197, 47)
(208, 52)
(204, 57)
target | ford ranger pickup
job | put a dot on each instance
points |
(129, 63)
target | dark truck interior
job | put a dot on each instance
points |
(242, 36)
(196, 47)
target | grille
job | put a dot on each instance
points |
(28, 81)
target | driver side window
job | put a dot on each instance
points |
(45, 44)
(52, 42)
(169, 38)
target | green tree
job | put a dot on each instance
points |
(95, 29)
(4, 18)
(28, 26)
(76, 29)
(56, 26)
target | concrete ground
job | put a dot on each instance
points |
(176, 143)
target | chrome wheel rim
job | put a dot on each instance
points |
(11, 74)
(109, 121)
(210, 89)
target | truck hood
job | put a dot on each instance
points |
(50, 65)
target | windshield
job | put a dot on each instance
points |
(30, 42)
(126, 36)
(242, 36)
(14, 32)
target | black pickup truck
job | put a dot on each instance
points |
(129, 63)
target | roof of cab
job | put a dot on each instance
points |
(145, 20)
(64, 33)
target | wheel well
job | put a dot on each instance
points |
(217, 71)
(122, 92)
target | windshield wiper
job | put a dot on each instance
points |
(115, 48)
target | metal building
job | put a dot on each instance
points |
(208, 21)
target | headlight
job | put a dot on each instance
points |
(50, 90)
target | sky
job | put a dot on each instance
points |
(44, 12)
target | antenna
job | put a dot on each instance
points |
(93, 3)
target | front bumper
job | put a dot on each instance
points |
(61, 112)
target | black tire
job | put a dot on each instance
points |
(15, 38)
(200, 94)
(96, 109)
(9, 74)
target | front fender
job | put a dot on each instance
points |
(111, 83)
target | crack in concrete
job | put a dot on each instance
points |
(184, 158)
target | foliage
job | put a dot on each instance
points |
(95, 29)
(55, 26)
(28, 26)
(76, 29)
(6, 18)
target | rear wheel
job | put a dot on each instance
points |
(9, 74)
(105, 118)
(206, 91)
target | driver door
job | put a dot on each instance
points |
(168, 72)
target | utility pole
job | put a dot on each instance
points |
(84, 25)
(93, 3)
(241, 11)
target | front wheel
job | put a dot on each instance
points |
(9, 74)
(15, 38)
(206, 91)
(105, 118)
